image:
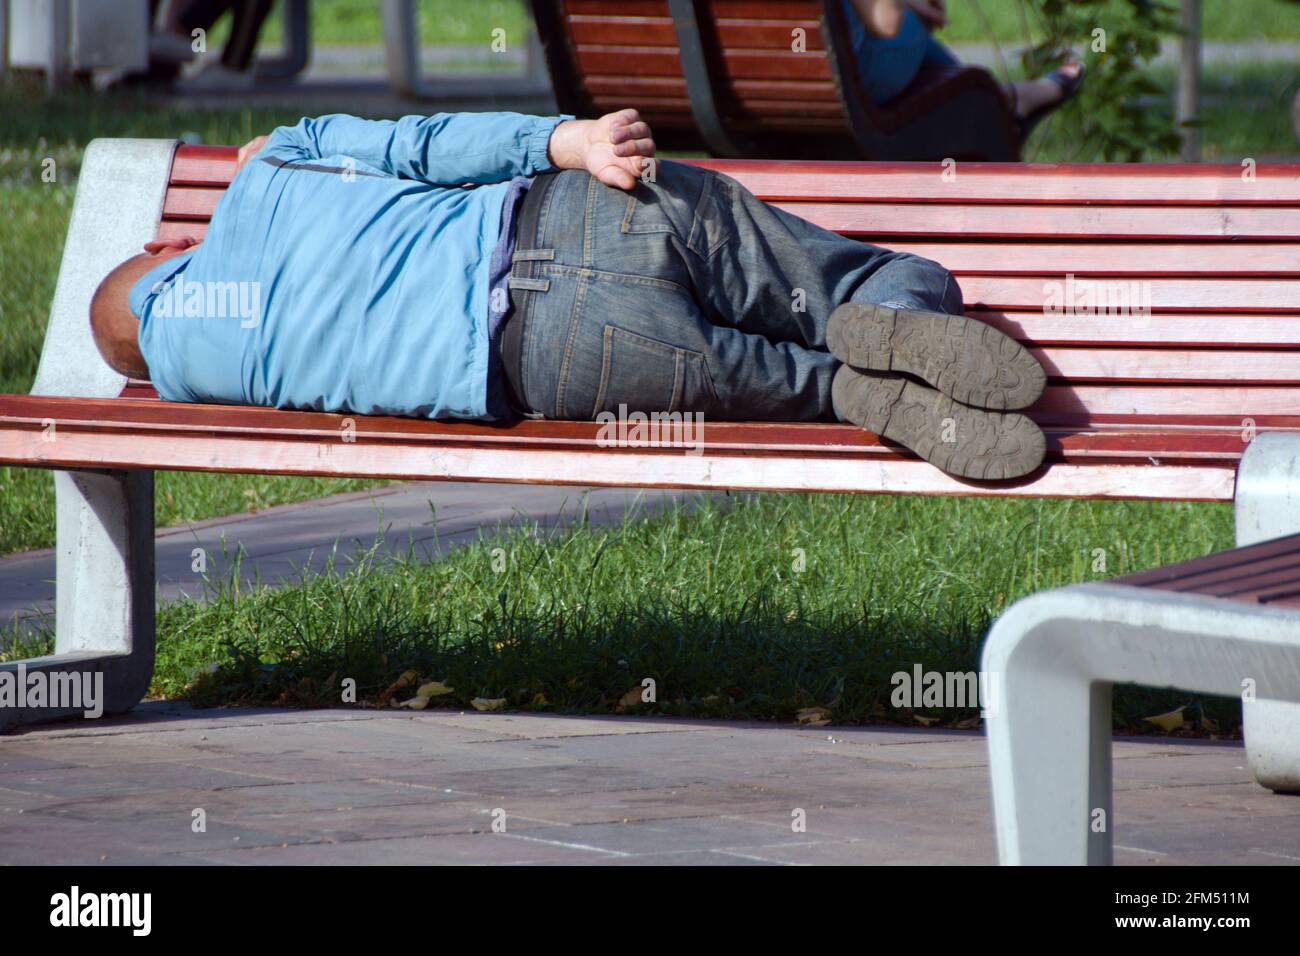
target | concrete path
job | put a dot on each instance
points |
(281, 542)
(327, 787)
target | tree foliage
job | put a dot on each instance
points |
(1118, 39)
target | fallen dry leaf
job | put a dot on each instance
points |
(406, 680)
(813, 716)
(631, 699)
(1170, 721)
(488, 703)
(435, 688)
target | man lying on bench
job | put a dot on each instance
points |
(492, 265)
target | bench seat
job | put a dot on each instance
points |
(1183, 461)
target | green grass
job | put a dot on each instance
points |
(1245, 111)
(1012, 21)
(710, 604)
(32, 230)
(442, 22)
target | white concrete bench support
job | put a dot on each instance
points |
(105, 534)
(1267, 505)
(1058, 653)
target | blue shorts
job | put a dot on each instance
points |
(887, 67)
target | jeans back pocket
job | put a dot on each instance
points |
(642, 374)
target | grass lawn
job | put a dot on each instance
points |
(778, 603)
(32, 230)
(1012, 21)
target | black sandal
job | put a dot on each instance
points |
(1069, 85)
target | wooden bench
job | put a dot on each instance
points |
(757, 78)
(1197, 400)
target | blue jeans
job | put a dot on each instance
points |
(690, 294)
(887, 66)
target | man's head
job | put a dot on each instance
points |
(115, 326)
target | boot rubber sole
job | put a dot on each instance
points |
(963, 358)
(960, 440)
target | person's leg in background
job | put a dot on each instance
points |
(886, 65)
(247, 17)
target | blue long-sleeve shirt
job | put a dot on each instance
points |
(346, 268)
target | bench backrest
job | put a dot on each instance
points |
(1153, 294)
(759, 78)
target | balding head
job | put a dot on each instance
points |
(114, 325)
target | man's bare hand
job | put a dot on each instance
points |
(248, 151)
(614, 148)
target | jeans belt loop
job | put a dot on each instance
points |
(523, 278)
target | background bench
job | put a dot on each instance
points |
(1159, 406)
(724, 75)
(1226, 623)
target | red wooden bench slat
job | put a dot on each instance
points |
(1237, 259)
(1266, 573)
(1199, 259)
(1153, 402)
(619, 8)
(970, 221)
(659, 31)
(1275, 184)
(784, 98)
(766, 9)
(1170, 575)
(775, 64)
(134, 415)
(1172, 366)
(1053, 222)
(1203, 330)
(627, 31)
(139, 406)
(1179, 294)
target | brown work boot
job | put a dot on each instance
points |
(963, 441)
(963, 358)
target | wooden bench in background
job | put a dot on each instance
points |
(1197, 399)
(758, 78)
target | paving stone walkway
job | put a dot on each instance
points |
(336, 786)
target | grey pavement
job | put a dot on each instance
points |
(280, 543)
(380, 786)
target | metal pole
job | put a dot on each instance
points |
(4, 36)
(1189, 80)
(56, 69)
